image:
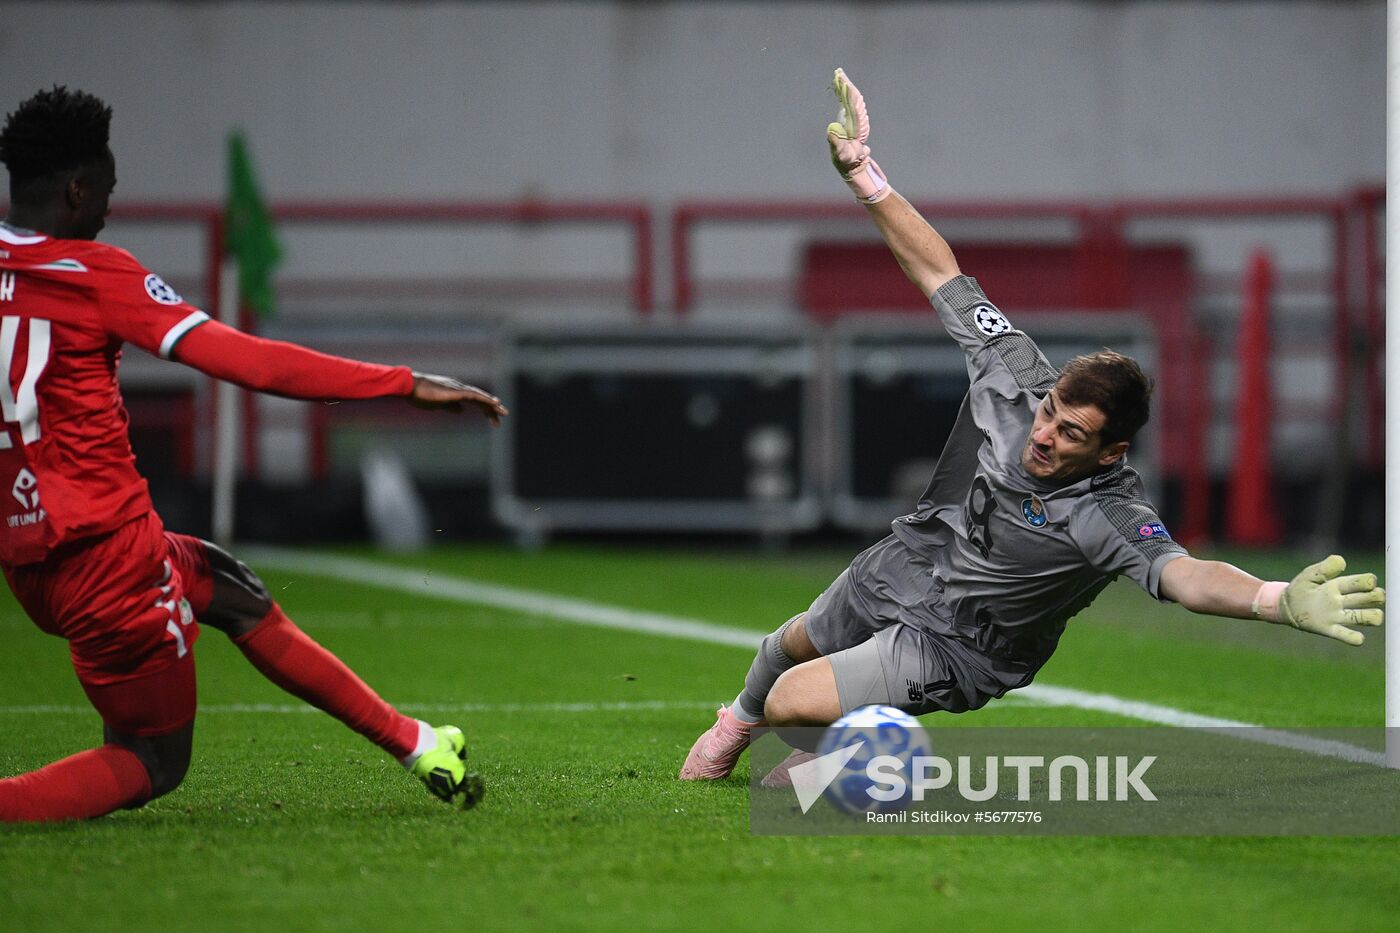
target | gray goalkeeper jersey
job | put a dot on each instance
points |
(1015, 558)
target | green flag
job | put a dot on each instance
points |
(248, 233)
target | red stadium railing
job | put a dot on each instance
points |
(635, 218)
(689, 215)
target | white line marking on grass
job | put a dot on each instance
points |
(456, 589)
(583, 612)
(1169, 716)
(623, 706)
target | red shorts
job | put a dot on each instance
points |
(120, 601)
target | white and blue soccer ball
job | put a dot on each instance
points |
(879, 730)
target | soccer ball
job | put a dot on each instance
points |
(883, 730)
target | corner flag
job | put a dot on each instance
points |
(251, 252)
(248, 234)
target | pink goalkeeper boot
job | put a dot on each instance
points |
(715, 753)
(781, 776)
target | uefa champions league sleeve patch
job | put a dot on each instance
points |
(1153, 530)
(160, 292)
(990, 321)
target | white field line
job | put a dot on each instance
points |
(455, 589)
(582, 612)
(1169, 716)
(624, 706)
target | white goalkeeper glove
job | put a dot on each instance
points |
(1321, 601)
(849, 153)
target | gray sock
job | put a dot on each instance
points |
(768, 665)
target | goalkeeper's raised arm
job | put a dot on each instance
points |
(923, 254)
(1320, 599)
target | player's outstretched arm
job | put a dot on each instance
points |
(1318, 600)
(296, 372)
(922, 252)
(448, 394)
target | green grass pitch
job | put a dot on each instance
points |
(289, 822)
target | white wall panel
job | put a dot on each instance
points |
(667, 100)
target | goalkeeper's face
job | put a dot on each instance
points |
(1065, 444)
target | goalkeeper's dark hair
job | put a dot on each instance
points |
(1113, 383)
(54, 131)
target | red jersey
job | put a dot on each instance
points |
(66, 308)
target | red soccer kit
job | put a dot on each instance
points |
(79, 541)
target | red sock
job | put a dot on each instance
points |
(78, 787)
(288, 657)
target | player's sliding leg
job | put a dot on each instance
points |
(79, 787)
(838, 620)
(805, 695)
(808, 695)
(228, 596)
(121, 605)
(166, 757)
(853, 674)
(144, 757)
(910, 659)
(292, 660)
(853, 651)
(717, 750)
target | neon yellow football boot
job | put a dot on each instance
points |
(444, 769)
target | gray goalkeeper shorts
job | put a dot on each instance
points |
(874, 624)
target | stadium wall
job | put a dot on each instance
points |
(668, 102)
(657, 101)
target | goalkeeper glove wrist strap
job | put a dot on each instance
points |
(867, 180)
(1266, 601)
